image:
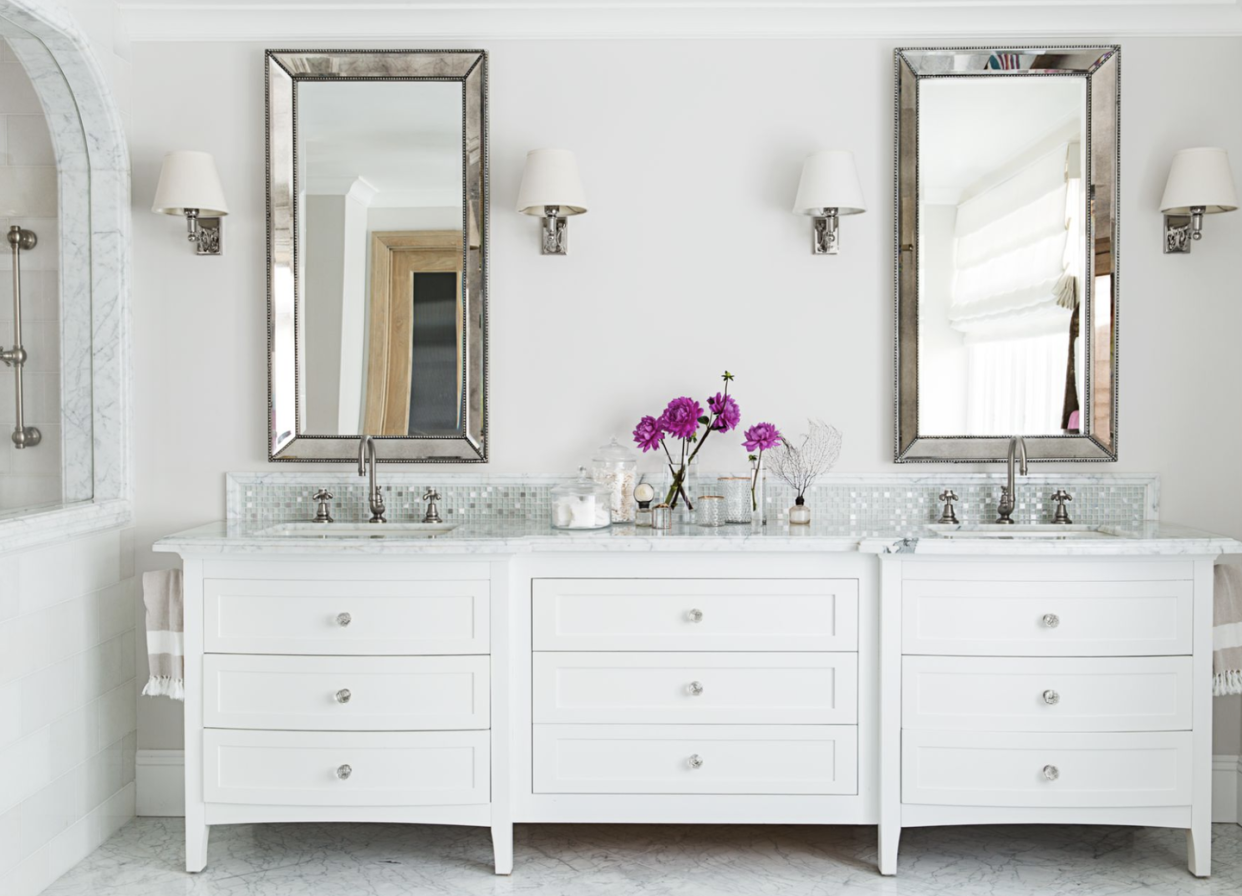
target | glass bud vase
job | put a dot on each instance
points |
(799, 514)
(758, 504)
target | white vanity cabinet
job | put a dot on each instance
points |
(1056, 689)
(338, 688)
(699, 689)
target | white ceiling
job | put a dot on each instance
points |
(970, 127)
(402, 137)
(474, 20)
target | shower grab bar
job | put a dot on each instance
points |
(23, 436)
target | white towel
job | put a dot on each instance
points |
(165, 602)
(1227, 631)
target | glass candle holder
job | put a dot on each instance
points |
(710, 511)
(661, 517)
(737, 498)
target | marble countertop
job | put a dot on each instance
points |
(1153, 538)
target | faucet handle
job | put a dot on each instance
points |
(1062, 515)
(948, 496)
(431, 495)
(323, 514)
(322, 495)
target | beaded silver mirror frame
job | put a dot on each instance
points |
(284, 70)
(1100, 66)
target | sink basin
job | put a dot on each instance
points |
(358, 530)
(1037, 532)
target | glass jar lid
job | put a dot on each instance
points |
(615, 452)
(581, 486)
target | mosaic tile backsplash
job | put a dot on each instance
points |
(869, 504)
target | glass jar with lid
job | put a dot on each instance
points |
(581, 503)
(615, 467)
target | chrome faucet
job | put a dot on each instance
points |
(366, 456)
(1009, 495)
(431, 496)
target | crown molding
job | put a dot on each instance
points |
(477, 20)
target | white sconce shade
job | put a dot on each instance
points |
(1200, 177)
(552, 189)
(551, 178)
(1200, 183)
(828, 189)
(190, 185)
(829, 180)
(189, 180)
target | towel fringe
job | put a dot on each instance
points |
(164, 686)
(1227, 683)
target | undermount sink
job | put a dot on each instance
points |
(358, 530)
(1039, 531)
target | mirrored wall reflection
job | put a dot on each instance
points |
(381, 219)
(32, 472)
(1003, 248)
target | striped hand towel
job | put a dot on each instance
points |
(161, 592)
(1227, 631)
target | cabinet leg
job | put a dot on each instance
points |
(195, 845)
(502, 846)
(1199, 850)
(889, 835)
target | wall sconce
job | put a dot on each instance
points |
(1199, 184)
(552, 190)
(190, 186)
(828, 189)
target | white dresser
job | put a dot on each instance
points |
(1056, 690)
(339, 689)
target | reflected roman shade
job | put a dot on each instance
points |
(1010, 247)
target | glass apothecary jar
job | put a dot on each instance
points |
(581, 503)
(616, 468)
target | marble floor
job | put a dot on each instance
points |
(144, 859)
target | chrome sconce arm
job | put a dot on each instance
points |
(23, 436)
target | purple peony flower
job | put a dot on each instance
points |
(761, 437)
(681, 418)
(648, 434)
(728, 415)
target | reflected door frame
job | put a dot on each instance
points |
(396, 256)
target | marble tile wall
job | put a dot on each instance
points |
(29, 198)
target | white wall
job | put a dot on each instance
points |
(688, 262)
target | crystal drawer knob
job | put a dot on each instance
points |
(1051, 697)
(695, 688)
(695, 615)
(695, 761)
(1051, 772)
(343, 695)
(343, 619)
(343, 772)
(1052, 620)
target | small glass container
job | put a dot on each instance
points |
(710, 511)
(581, 503)
(737, 498)
(799, 514)
(662, 517)
(644, 494)
(616, 468)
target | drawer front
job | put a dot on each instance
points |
(692, 614)
(989, 618)
(1012, 694)
(720, 759)
(306, 768)
(681, 688)
(945, 768)
(328, 693)
(345, 618)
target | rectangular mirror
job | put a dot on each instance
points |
(1006, 253)
(377, 254)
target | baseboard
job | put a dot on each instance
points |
(160, 778)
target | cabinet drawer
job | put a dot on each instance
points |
(947, 768)
(985, 618)
(1011, 694)
(679, 688)
(345, 618)
(328, 693)
(721, 759)
(305, 768)
(692, 614)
